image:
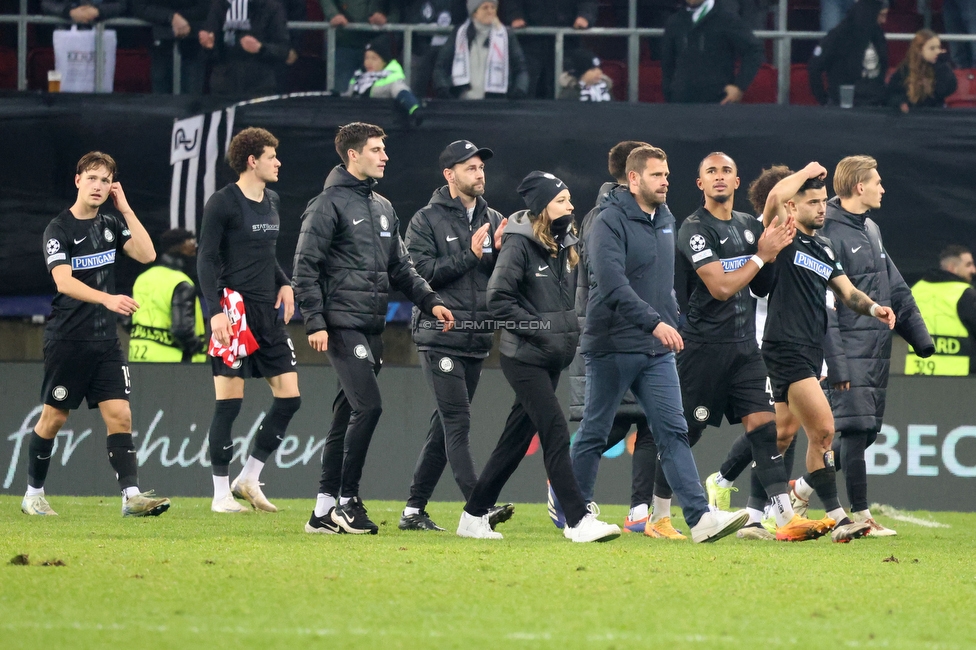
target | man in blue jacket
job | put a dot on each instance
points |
(630, 338)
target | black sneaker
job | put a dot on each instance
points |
(323, 525)
(352, 518)
(500, 514)
(419, 521)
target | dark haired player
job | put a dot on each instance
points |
(796, 324)
(237, 252)
(721, 369)
(82, 357)
(349, 257)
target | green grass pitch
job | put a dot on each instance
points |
(194, 579)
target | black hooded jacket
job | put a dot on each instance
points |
(438, 239)
(532, 292)
(858, 348)
(841, 54)
(345, 268)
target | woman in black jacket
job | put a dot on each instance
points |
(855, 53)
(532, 295)
(925, 78)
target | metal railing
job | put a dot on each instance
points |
(782, 38)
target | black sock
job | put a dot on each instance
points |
(662, 489)
(853, 444)
(221, 443)
(824, 483)
(788, 457)
(835, 447)
(122, 455)
(39, 452)
(757, 493)
(739, 458)
(272, 430)
(770, 466)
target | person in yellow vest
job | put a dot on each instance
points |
(947, 301)
(168, 328)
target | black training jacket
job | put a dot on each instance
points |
(438, 239)
(349, 256)
(531, 290)
(858, 348)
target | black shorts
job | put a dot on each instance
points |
(789, 363)
(276, 354)
(722, 379)
(76, 370)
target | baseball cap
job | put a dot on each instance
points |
(459, 151)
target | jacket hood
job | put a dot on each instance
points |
(605, 190)
(621, 198)
(836, 213)
(442, 197)
(340, 177)
(519, 224)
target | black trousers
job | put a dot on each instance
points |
(848, 450)
(357, 359)
(644, 466)
(536, 409)
(453, 380)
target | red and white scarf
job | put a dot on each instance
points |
(242, 342)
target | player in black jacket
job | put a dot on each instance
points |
(349, 257)
(453, 242)
(531, 292)
(82, 357)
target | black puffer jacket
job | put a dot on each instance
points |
(858, 348)
(439, 242)
(532, 292)
(842, 55)
(344, 268)
(577, 369)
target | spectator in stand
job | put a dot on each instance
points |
(482, 58)
(84, 12)
(426, 47)
(381, 77)
(854, 53)
(349, 44)
(295, 10)
(832, 12)
(539, 50)
(253, 41)
(583, 79)
(754, 13)
(925, 78)
(960, 18)
(173, 21)
(702, 46)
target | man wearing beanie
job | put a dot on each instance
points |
(531, 293)
(583, 80)
(169, 328)
(381, 77)
(453, 242)
(482, 59)
(629, 339)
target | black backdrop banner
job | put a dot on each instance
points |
(925, 158)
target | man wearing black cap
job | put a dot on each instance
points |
(169, 328)
(452, 242)
(583, 79)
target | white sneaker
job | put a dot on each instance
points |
(591, 529)
(877, 530)
(476, 527)
(228, 504)
(36, 505)
(250, 491)
(716, 525)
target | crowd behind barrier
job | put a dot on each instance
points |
(320, 49)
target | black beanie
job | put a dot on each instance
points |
(538, 189)
(383, 47)
(581, 61)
